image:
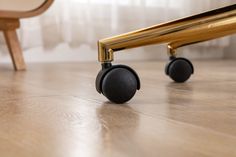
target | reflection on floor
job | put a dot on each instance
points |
(53, 110)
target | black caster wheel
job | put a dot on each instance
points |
(118, 83)
(179, 69)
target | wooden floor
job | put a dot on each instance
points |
(53, 110)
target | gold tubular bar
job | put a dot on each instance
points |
(206, 26)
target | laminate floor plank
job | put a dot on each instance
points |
(53, 110)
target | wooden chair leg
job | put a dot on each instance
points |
(15, 49)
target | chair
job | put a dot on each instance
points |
(119, 83)
(11, 11)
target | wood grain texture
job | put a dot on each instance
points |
(15, 50)
(9, 22)
(53, 110)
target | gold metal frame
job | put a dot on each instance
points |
(206, 26)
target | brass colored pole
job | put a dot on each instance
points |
(206, 26)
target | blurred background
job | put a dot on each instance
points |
(70, 29)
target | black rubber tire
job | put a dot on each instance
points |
(119, 85)
(180, 70)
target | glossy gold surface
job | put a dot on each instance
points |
(53, 110)
(190, 30)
